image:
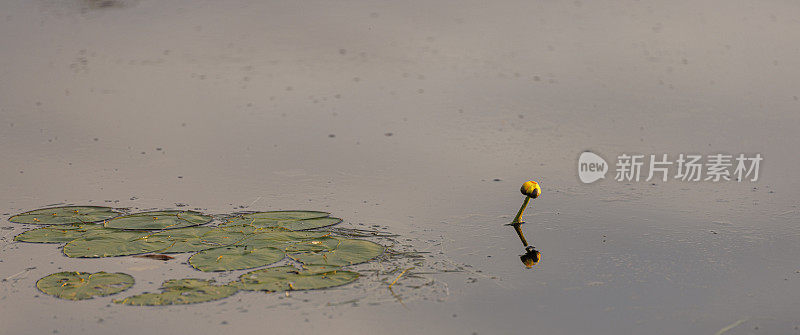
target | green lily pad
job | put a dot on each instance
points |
(184, 240)
(285, 278)
(158, 220)
(65, 215)
(234, 258)
(309, 223)
(112, 243)
(286, 215)
(320, 244)
(347, 252)
(228, 234)
(57, 233)
(279, 238)
(292, 224)
(84, 285)
(180, 292)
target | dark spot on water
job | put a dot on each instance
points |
(331, 135)
(496, 179)
(180, 177)
(388, 134)
(159, 257)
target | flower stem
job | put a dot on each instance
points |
(521, 210)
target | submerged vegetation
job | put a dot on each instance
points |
(235, 242)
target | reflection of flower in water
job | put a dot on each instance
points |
(531, 257)
(531, 190)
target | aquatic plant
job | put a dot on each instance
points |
(82, 285)
(65, 215)
(240, 241)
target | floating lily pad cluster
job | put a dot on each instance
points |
(240, 241)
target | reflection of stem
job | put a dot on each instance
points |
(519, 232)
(521, 210)
(400, 300)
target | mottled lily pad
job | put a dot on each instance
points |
(308, 223)
(65, 215)
(57, 233)
(228, 234)
(347, 252)
(180, 292)
(320, 244)
(84, 285)
(279, 238)
(292, 220)
(158, 220)
(235, 258)
(114, 243)
(184, 240)
(285, 278)
(286, 215)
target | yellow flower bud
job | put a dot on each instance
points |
(531, 189)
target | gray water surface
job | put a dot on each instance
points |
(422, 119)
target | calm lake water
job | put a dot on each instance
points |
(421, 119)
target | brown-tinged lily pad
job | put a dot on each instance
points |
(84, 285)
(158, 220)
(65, 215)
(235, 258)
(57, 233)
(181, 292)
(279, 238)
(292, 220)
(185, 239)
(114, 243)
(285, 278)
(346, 252)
